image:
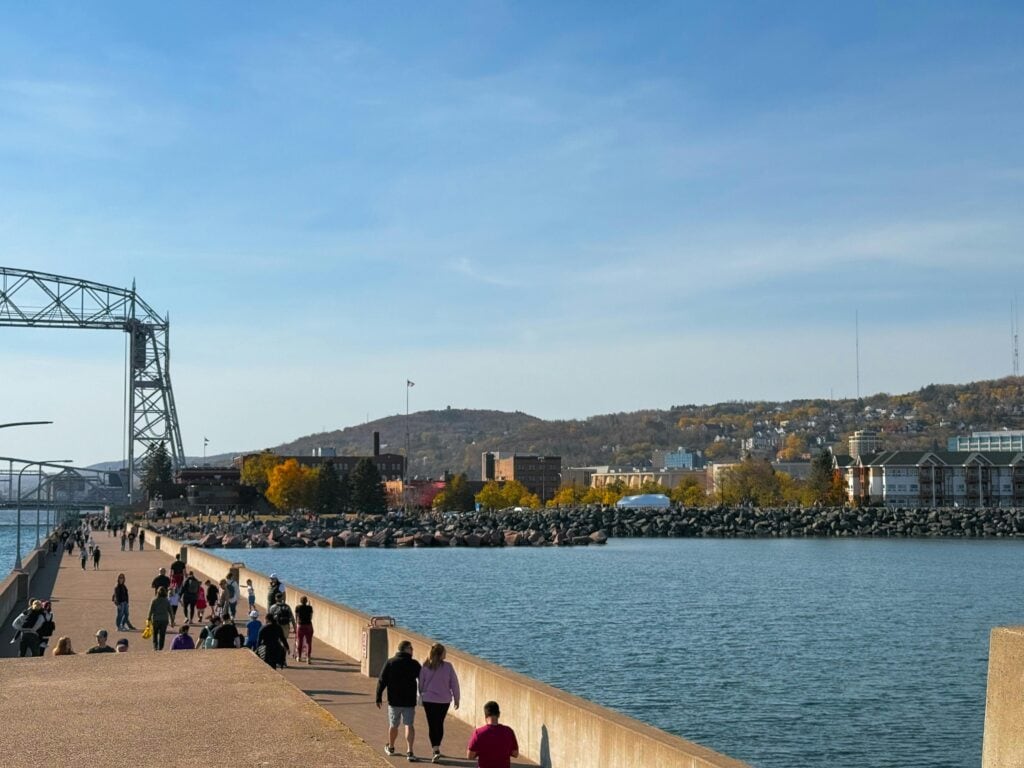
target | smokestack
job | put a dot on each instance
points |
(376, 444)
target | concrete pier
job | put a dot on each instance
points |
(555, 729)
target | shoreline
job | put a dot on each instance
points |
(586, 526)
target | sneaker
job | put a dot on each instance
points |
(411, 757)
(388, 749)
(436, 758)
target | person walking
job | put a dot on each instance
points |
(399, 677)
(493, 745)
(282, 613)
(439, 688)
(190, 590)
(161, 580)
(83, 556)
(120, 600)
(28, 624)
(96, 557)
(160, 617)
(250, 594)
(231, 593)
(124, 540)
(304, 629)
(252, 630)
(142, 539)
(200, 601)
(131, 540)
(177, 572)
(272, 645)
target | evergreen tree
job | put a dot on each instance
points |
(157, 472)
(368, 493)
(457, 495)
(822, 485)
(327, 497)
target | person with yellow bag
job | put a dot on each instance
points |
(159, 617)
(147, 631)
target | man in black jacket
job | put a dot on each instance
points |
(399, 676)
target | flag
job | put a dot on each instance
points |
(409, 383)
(206, 441)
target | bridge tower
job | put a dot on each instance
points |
(39, 300)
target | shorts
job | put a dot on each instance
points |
(396, 715)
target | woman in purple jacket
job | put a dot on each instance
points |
(439, 687)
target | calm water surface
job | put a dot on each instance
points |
(783, 653)
(9, 536)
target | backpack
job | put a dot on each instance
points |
(192, 585)
(283, 613)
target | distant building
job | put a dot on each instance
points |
(390, 465)
(580, 477)
(679, 459)
(1000, 440)
(635, 478)
(542, 475)
(864, 441)
(936, 478)
(761, 442)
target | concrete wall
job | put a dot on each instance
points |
(17, 587)
(554, 728)
(1003, 744)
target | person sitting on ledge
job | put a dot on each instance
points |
(101, 643)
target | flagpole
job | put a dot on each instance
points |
(405, 480)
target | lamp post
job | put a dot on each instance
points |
(40, 464)
(10, 464)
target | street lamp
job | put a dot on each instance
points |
(40, 464)
(10, 464)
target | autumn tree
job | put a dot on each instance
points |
(291, 486)
(567, 496)
(825, 485)
(752, 481)
(689, 493)
(256, 469)
(491, 496)
(792, 448)
(368, 492)
(457, 495)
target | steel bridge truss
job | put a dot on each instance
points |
(39, 300)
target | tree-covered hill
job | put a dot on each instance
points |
(453, 439)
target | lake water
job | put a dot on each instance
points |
(9, 535)
(783, 653)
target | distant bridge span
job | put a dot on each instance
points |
(40, 300)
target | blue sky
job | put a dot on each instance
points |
(565, 209)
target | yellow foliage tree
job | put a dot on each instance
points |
(256, 470)
(689, 493)
(793, 448)
(291, 486)
(567, 496)
(491, 496)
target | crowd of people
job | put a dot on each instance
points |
(211, 607)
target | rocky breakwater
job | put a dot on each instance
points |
(511, 529)
(724, 522)
(583, 526)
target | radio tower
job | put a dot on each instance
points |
(1014, 344)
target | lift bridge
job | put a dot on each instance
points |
(39, 300)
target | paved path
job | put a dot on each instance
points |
(82, 604)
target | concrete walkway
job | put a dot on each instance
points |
(82, 604)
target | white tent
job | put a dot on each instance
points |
(646, 500)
